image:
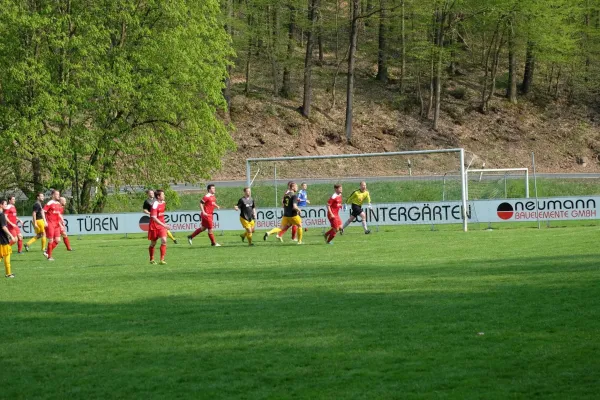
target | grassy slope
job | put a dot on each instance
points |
(394, 314)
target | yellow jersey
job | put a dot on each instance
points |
(357, 197)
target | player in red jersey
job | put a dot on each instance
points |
(52, 210)
(333, 213)
(63, 228)
(13, 222)
(158, 227)
(207, 208)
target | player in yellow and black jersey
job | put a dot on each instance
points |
(39, 222)
(356, 201)
(291, 214)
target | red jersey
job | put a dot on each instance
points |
(158, 211)
(209, 201)
(11, 213)
(335, 203)
(53, 211)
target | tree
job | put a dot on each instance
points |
(122, 93)
(313, 9)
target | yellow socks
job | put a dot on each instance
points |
(274, 230)
(7, 265)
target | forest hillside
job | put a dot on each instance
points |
(501, 79)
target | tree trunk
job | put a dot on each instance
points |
(486, 68)
(308, 60)
(337, 30)
(335, 75)
(511, 92)
(248, 56)
(431, 84)
(441, 20)
(272, 45)
(382, 69)
(351, 61)
(286, 89)
(558, 76)
(227, 89)
(529, 69)
(368, 9)
(420, 92)
(320, 37)
(403, 54)
(36, 167)
(495, 61)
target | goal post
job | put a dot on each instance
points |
(504, 173)
(462, 175)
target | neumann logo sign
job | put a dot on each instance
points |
(505, 211)
(559, 209)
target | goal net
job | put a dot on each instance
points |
(495, 185)
(404, 186)
(499, 183)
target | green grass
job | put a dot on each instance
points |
(381, 192)
(396, 314)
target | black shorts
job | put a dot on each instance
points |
(356, 210)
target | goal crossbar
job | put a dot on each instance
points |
(461, 151)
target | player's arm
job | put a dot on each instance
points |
(295, 204)
(146, 207)
(44, 216)
(202, 207)
(306, 198)
(154, 216)
(5, 229)
(238, 205)
(368, 198)
(158, 221)
(351, 198)
(253, 210)
(329, 211)
(8, 222)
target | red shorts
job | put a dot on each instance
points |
(206, 221)
(335, 222)
(155, 234)
(14, 230)
(53, 230)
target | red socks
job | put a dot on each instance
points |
(212, 238)
(67, 243)
(330, 234)
(51, 246)
(163, 251)
(197, 232)
(294, 231)
(283, 231)
(151, 251)
(20, 244)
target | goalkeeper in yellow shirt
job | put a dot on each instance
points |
(356, 201)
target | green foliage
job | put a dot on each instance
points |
(98, 93)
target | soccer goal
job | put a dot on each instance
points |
(407, 185)
(497, 183)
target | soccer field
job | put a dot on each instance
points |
(404, 313)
